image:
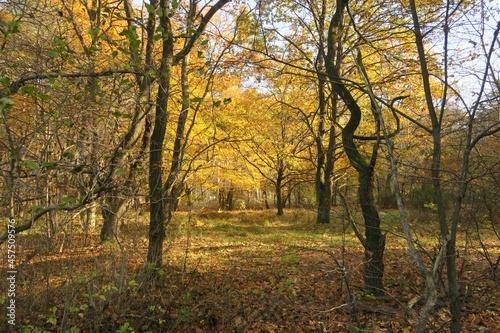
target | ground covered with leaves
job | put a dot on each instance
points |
(245, 271)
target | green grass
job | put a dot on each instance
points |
(263, 227)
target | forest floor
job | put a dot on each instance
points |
(243, 271)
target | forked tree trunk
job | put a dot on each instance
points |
(156, 191)
(156, 186)
(324, 168)
(374, 238)
(111, 213)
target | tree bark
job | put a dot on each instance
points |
(325, 151)
(436, 120)
(175, 181)
(141, 124)
(264, 195)
(279, 191)
(374, 238)
(114, 208)
(156, 190)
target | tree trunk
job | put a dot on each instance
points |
(175, 181)
(111, 212)
(156, 187)
(264, 195)
(324, 202)
(222, 198)
(323, 174)
(230, 199)
(156, 190)
(226, 199)
(279, 200)
(374, 239)
(89, 217)
(325, 150)
(436, 120)
(324, 182)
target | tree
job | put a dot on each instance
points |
(443, 121)
(272, 141)
(141, 58)
(299, 36)
(45, 94)
(168, 59)
(436, 115)
(374, 241)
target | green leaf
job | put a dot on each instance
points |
(227, 101)
(67, 124)
(119, 171)
(150, 8)
(205, 42)
(44, 97)
(94, 49)
(217, 104)
(54, 54)
(67, 200)
(93, 32)
(175, 4)
(32, 165)
(5, 81)
(196, 100)
(35, 208)
(14, 27)
(30, 90)
(5, 102)
(49, 165)
(200, 54)
(78, 97)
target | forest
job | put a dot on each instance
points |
(249, 166)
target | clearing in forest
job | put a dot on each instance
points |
(243, 271)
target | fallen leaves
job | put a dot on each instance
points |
(240, 284)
